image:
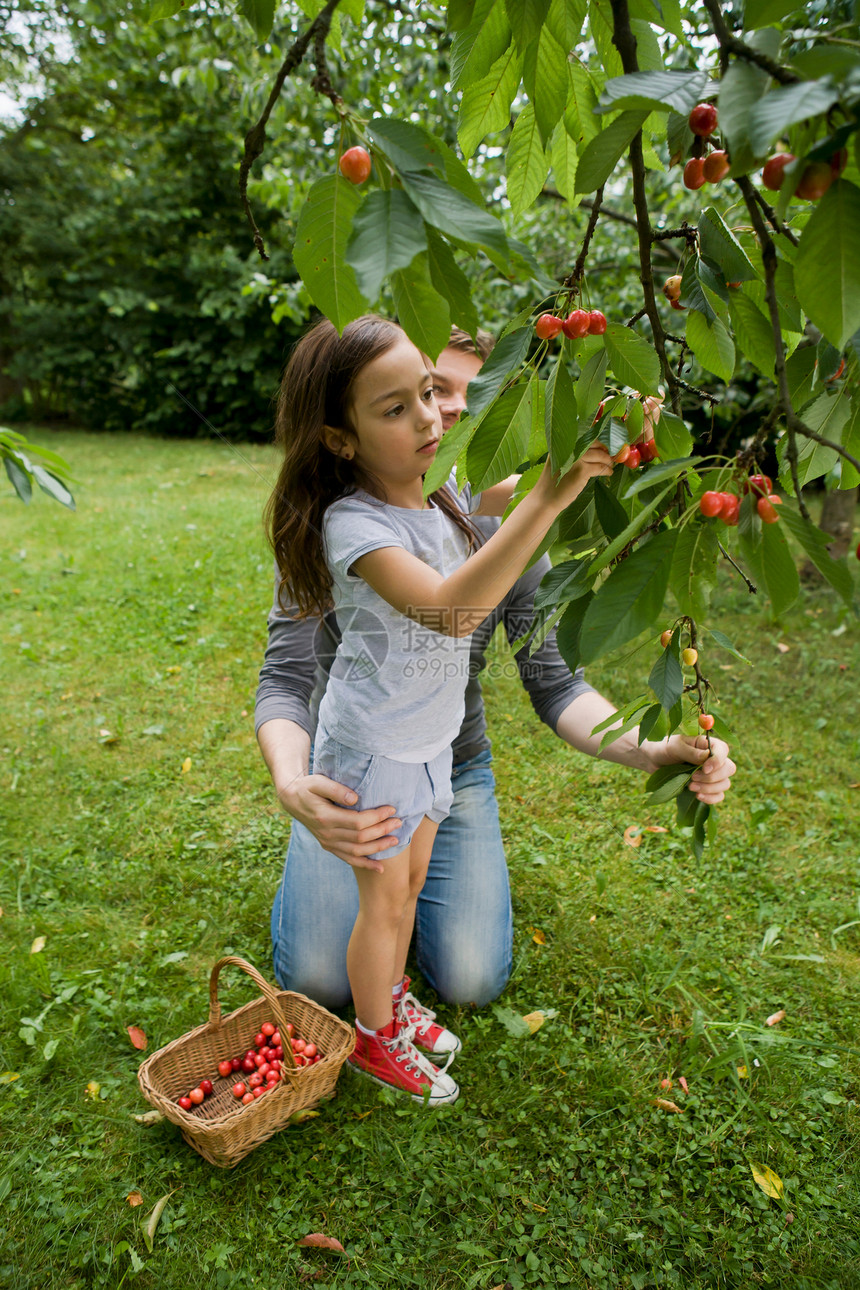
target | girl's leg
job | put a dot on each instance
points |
(419, 860)
(372, 951)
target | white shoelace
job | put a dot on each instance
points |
(409, 1003)
(403, 1039)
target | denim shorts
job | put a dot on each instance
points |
(416, 788)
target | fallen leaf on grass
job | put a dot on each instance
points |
(108, 737)
(321, 1242)
(770, 1183)
(299, 1117)
(186, 766)
(153, 1220)
(663, 1104)
(783, 649)
(9, 1077)
(775, 1018)
(633, 835)
(683, 1083)
(92, 1089)
(148, 1117)
(534, 1020)
(137, 1037)
(539, 938)
(134, 1199)
(38, 945)
(655, 828)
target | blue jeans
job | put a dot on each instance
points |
(463, 925)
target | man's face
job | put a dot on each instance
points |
(451, 376)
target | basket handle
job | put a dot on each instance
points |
(270, 994)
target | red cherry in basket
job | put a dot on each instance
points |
(225, 1068)
(185, 1103)
(247, 1099)
(268, 1028)
(206, 1085)
(239, 1090)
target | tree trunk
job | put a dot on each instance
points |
(837, 518)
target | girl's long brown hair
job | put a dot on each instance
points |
(315, 392)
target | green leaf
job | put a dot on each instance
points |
(485, 107)
(667, 782)
(815, 544)
(632, 359)
(164, 9)
(563, 583)
(654, 91)
(673, 438)
(849, 477)
(740, 90)
(545, 80)
(501, 441)
(826, 416)
(506, 358)
(783, 107)
(631, 719)
(719, 246)
(19, 478)
(599, 158)
(656, 474)
(526, 18)
(567, 636)
(611, 515)
(635, 526)
(667, 677)
(260, 14)
(764, 13)
(319, 252)
(564, 159)
(694, 569)
(780, 572)
(560, 415)
(630, 599)
(387, 234)
(451, 282)
(726, 644)
(474, 50)
(449, 211)
(409, 147)
(827, 268)
(711, 344)
(453, 445)
(589, 387)
(526, 162)
(654, 724)
(422, 312)
(580, 117)
(693, 294)
(566, 21)
(460, 14)
(52, 486)
(753, 333)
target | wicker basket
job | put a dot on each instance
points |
(221, 1128)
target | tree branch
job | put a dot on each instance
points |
(732, 45)
(625, 42)
(575, 278)
(255, 139)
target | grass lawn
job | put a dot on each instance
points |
(140, 841)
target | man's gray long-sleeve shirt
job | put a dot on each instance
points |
(300, 652)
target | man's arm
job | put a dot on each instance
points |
(710, 782)
(571, 707)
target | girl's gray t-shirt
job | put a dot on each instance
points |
(396, 687)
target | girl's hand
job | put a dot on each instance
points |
(595, 461)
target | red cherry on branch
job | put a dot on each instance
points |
(575, 325)
(766, 507)
(772, 175)
(710, 504)
(672, 287)
(716, 166)
(694, 173)
(596, 323)
(355, 165)
(634, 459)
(731, 509)
(703, 119)
(706, 721)
(548, 326)
(815, 181)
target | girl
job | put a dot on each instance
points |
(359, 426)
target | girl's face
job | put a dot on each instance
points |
(394, 416)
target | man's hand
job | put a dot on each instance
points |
(713, 779)
(321, 805)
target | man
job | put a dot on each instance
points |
(463, 931)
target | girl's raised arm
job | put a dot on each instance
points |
(456, 605)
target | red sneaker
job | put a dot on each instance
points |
(429, 1035)
(390, 1058)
